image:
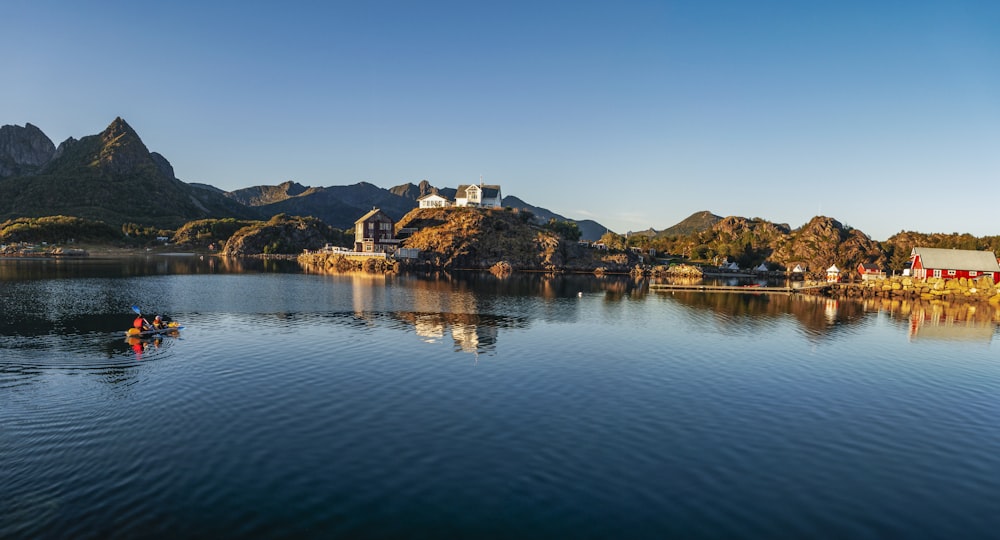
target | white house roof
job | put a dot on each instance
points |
(833, 269)
(432, 195)
(957, 259)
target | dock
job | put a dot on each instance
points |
(749, 289)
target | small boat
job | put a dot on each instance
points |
(172, 328)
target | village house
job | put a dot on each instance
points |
(953, 263)
(833, 274)
(434, 200)
(482, 195)
(870, 271)
(374, 233)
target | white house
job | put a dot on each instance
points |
(482, 195)
(833, 274)
(433, 200)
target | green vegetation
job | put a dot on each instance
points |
(206, 232)
(283, 234)
(567, 229)
(57, 230)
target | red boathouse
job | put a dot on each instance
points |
(954, 263)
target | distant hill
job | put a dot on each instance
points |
(337, 206)
(696, 222)
(264, 195)
(111, 177)
(589, 229)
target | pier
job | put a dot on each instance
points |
(750, 289)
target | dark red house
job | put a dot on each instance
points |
(374, 233)
(953, 263)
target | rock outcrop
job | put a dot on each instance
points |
(473, 238)
(280, 235)
(824, 242)
(23, 150)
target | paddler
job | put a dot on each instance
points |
(140, 324)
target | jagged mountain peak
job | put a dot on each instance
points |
(23, 150)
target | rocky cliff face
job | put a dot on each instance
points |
(824, 242)
(123, 152)
(23, 150)
(479, 239)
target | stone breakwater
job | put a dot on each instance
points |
(338, 262)
(959, 289)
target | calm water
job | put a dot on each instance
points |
(298, 405)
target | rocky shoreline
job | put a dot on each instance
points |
(962, 289)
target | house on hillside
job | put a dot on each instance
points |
(833, 274)
(434, 200)
(481, 195)
(374, 233)
(953, 263)
(870, 271)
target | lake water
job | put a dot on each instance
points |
(466, 406)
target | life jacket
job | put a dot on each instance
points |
(137, 323)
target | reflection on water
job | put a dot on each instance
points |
(24, 269)
(936, 320)
(348, 406)
(818, 316)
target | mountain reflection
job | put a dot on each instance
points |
(818, 316)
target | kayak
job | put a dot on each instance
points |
(171, 329)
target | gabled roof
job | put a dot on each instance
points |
(870, 267)
(833, 269)
(489, 190)
(372, 214)
(957, 259)
(429, 195)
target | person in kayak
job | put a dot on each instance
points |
(140, 324)
(158, 323)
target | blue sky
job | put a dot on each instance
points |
(884, 115)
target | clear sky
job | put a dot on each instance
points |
(884, 115)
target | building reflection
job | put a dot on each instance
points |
(939, 320)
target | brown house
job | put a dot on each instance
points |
(374, 233)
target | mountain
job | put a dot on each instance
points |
(111, 177)
(696, 222)
(264, 195)
(338, 206)
(589, 229)
(23, 150)
(412, 191)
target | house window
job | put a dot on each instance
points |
(973, 273)
(951, 272)
(385, 226)
(937, 273)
